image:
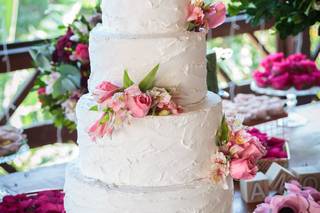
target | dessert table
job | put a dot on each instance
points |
(304, 144)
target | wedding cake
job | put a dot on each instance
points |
(153, 164)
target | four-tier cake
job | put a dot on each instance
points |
(154, 164)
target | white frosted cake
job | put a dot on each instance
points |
(155, 164)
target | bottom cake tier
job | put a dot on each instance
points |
(84, 195)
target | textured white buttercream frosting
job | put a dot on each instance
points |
(151, 151)
(144, 16)
(85, 195)
(182, 58)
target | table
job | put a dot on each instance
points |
(304, 142)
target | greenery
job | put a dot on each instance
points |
(291, 17)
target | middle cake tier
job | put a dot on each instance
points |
(151, 151)
(182, 59)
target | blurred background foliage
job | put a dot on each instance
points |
(27, 20)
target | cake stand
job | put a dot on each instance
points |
(294, 119)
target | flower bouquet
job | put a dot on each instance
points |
(282, 73)
(64, 70)
(238, 152)
(118, 104)
(297, 199)
(277, 150)
(40, 202)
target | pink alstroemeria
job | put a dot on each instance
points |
(216, 15)
(99, 129)
(104, 91)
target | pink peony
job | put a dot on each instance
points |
(316, 77)
(296, 57)
(99, 129)
(104, 91)
(81, 53)
(261, 78)
(243, 168)
(280, 68)
(290, 203)
(276, 142)
(137, 102)
(304, 81)
(216, 15)
(263, 137)
(276, 152)
(268, 62)
(195, 14)
(280, 82)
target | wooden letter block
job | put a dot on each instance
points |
(308, 176)
(256, 189)
(278, 176)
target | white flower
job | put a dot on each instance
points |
(69, 107)
(50, 81)
(75, 38)
(219, 169)
(82, 28)
(160, 94)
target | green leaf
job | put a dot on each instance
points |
(127, 82)
(41, 57)
(223, 132)
(69, 80)
(148, 81)
(105, 119)
(94, 108)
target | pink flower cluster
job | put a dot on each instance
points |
(118, 104)
(204, 16)
(275, 146)
(298, 199)
(42, 202)
(282, 73)
(242, 150)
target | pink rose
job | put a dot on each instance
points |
(304, 81)
(243, 168)
(137, 102)
(195, 14)
(216, 15)
(104, 91)
(253, 149)
(280, 82)
(42, 91)
(82, 53)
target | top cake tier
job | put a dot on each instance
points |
(144, 16)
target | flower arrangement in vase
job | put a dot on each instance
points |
(277, 150)
(64, 70)
(281, 73)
